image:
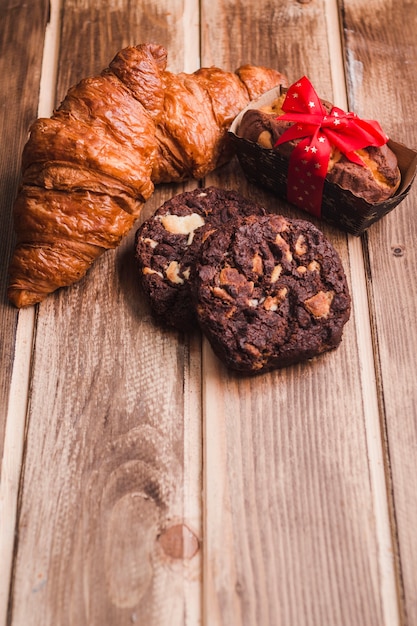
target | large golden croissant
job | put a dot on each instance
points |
(87, 170)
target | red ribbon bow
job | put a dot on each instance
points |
(319, 131)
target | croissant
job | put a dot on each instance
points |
(88, 169)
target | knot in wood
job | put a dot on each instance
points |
(179, 542)
(398, 250)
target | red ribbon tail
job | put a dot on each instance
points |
(306, 174)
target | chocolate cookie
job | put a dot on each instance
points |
(168, 243)
(269, 292)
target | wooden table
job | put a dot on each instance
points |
(141, 482)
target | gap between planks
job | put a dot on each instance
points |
(19, 387)
(374, 435)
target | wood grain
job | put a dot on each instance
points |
(108, 533)
(158, 488)
(289, 512)
(20, 65)
(382, 51)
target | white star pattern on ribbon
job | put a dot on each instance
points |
(314, 131)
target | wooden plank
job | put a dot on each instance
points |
(290, 527)
(20, 65)
(381, 51)
(20, 41)
(109, 525)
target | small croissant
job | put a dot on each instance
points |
(88, 169)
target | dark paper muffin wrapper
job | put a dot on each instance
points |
(267, 168)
